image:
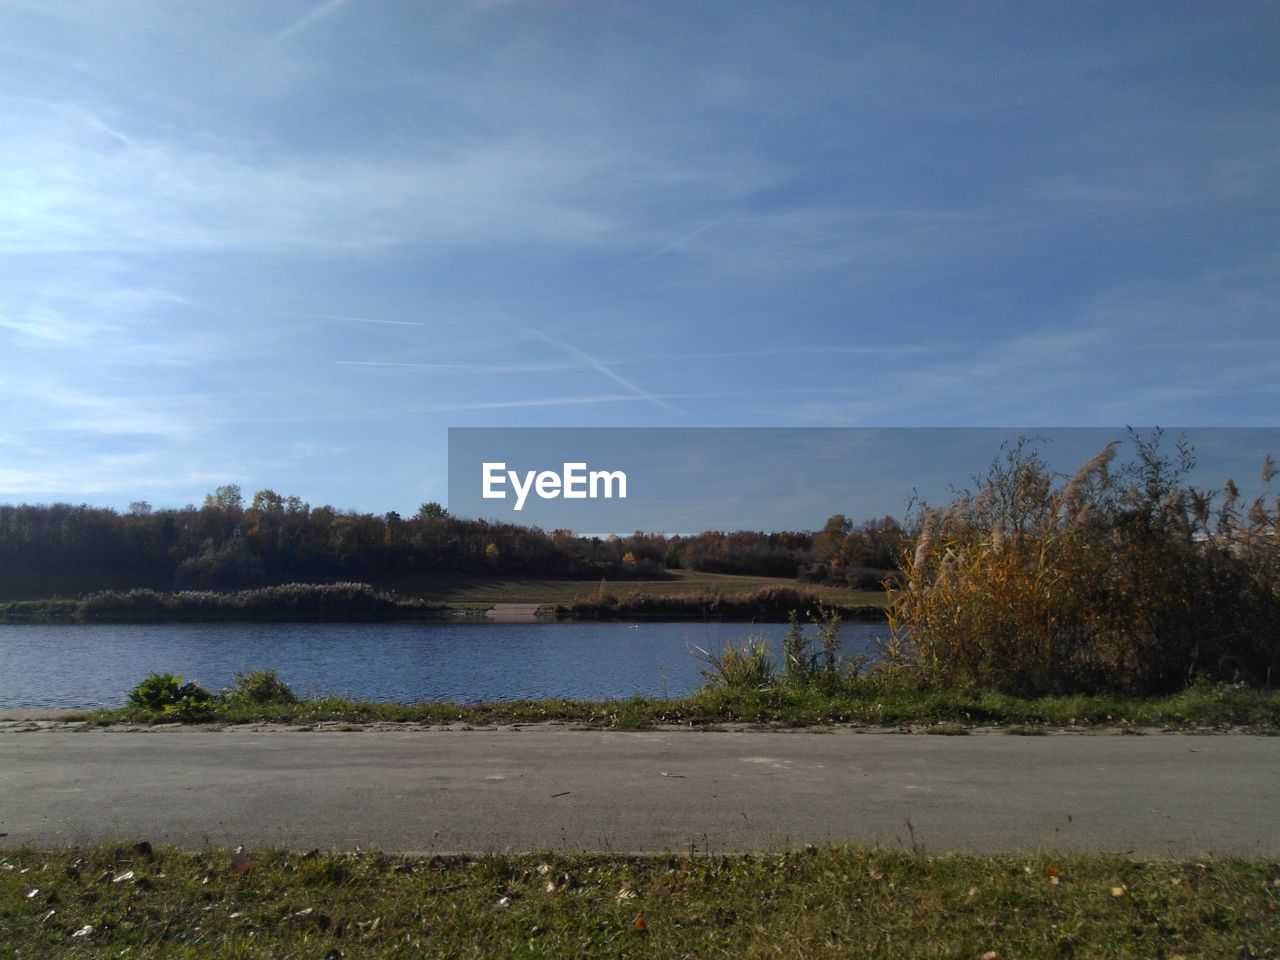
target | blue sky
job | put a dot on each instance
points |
(290, 244)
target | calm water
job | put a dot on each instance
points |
(94, 665)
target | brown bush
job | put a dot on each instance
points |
(1125, 580)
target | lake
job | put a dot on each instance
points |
(76, 666)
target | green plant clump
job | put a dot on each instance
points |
(166, 696)
(260, 687)
(744, 667)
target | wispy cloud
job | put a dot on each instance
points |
(71, 187)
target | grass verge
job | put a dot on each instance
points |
(855, 702)
(149, 902)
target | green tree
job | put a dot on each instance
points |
(227, 497)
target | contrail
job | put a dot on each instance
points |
(545, 402)
(308, 19)
(674, 244)
(580, 354)
(602, 368)
(326, 316)
(869, 351)
(466, 367)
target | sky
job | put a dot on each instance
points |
(290, 244)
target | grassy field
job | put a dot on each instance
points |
(134, 901)
(472, 591)
(858, 702)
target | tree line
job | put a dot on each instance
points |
(230, 544)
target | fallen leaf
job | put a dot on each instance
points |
(504, 902)
(1053, 881)
(84, 931)
(973, 892)
(990, 955)
(1052, 871)
(239, 862)
(640, 925)
(1117, 891)
(543, 869)
(626, 893)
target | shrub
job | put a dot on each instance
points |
(1125, 581)
(166, 696)
(745, 667)
(290, 602)
(260, 687)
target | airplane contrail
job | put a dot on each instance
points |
(327, 316)
(308, 19)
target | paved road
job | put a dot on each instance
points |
(417, 791)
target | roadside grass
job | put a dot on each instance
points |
(865, 702)
(109, 899)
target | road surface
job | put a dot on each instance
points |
(1159, 795)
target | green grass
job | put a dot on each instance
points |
(863, 702)
(828, 903)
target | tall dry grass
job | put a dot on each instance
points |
(1117, 578)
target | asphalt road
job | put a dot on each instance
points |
(537, 788)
